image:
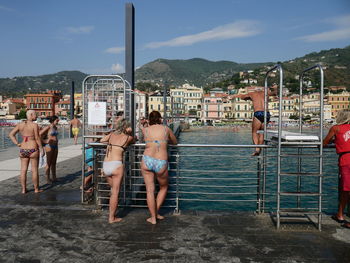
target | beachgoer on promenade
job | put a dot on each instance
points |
(113, 167)
(155, 162)
(75, 125)
(258, 97)
(341, 135)
(50, 141)
(29, 149)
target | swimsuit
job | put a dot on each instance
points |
(110, 166)
(75, 131)
(53, 146)
(153, 164)
(26, 153)
(260, 116)
(89, 156)
(26, 137)
(157, 141)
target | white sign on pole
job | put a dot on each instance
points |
(97, 113)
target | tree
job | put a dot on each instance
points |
(22, 114)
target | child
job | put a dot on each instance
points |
(341, 135)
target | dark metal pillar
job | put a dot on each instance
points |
(71, 106)
(164, 102)
(130, 62)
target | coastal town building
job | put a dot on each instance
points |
(212, 109)
(187, 100)
(43, 103)
(156, 102)
(141, 99)
(339, 101)
(9, 108)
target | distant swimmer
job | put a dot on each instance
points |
(258, 97)
(154, 163)
(113, 167)
(75, 125)
(29, 149)
(341, 135)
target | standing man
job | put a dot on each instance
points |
(75, 125)
(257, 97)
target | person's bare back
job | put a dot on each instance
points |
(75, 123)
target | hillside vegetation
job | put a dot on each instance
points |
(198, 72)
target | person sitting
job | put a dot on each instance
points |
(155, 162)
(113, 167)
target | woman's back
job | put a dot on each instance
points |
(156, 139)
(27, 131)
(117, 144)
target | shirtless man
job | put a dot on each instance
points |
(75, 124)
(258, 97)
(29, 149)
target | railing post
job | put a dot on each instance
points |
(258, 193)
(3, 137)
(177, 210)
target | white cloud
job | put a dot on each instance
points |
(342, 31)
(117, 68)
(115, 50)
(5, 8)
(80, 30)
(239, 29)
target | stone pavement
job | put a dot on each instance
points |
(54, 227)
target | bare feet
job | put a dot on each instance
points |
(24, 191)
(115, 220)
(38, 191)
(151, 220)
(160, 217)
(256, 153)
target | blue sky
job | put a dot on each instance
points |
(47, 36)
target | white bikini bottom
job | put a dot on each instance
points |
(109, 167)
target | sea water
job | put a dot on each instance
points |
(227, 178)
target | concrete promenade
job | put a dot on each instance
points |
(54, 227)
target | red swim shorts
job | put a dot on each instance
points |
(344, 177)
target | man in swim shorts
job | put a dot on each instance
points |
(258, 97)
(75, 124)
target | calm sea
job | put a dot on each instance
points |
(227, 179)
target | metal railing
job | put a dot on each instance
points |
(5, 141)
(198, 181)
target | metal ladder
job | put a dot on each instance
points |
(303, 153)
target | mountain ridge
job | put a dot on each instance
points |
(196, 71)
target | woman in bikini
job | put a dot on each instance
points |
(29, 149)
(113, 167)
(155, 162)
(50, 135)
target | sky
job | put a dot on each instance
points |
(46, 36)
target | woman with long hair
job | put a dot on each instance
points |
(29, 149)
(155, 162)
(341, 135)
(113, 167)
(50, 139)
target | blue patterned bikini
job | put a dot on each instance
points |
(153, 164)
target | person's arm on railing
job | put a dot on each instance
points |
(106, 138)
(172, 137)
(330, 135)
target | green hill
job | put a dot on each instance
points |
(196, 71)
(19, 86)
